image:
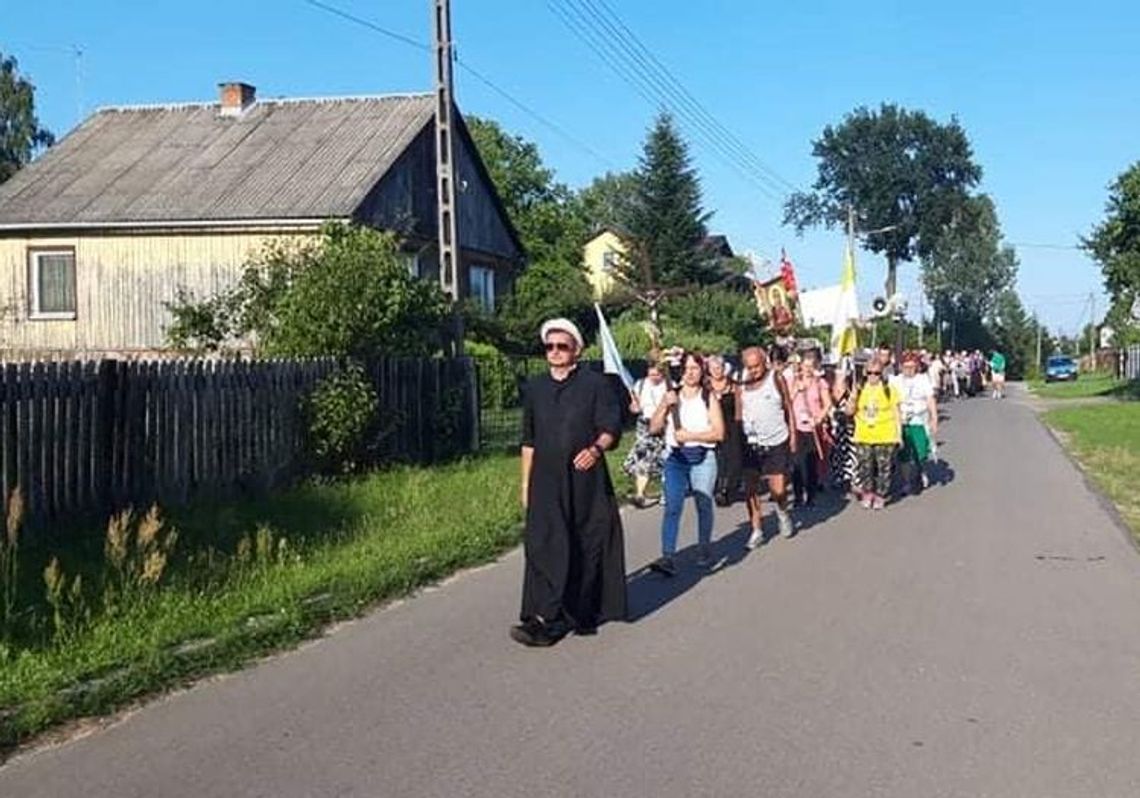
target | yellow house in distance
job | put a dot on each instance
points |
(600, 257)
(604, 252)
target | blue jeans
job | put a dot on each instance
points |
(680, 479)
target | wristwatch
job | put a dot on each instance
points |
(597, 450)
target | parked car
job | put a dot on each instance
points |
(1060, 367)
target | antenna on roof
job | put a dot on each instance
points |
(77, 51)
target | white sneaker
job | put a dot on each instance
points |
(787, 529)
(755, 539)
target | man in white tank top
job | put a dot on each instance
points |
(764, 407)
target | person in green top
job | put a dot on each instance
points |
(997, 374)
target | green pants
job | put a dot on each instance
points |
(915, 444)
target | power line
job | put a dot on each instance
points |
(534, 114)
(646, 69)
(586, 24)
(635, 70)
(391, 34)
(695, 103)
(466, 67)
(1043, 246)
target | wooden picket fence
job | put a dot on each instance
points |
(80, 437)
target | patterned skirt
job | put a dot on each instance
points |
(647, 457)
(843, 461)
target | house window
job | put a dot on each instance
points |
(609, 261)
(483, 286)
(51, 283)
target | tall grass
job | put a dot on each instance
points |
(154, 600)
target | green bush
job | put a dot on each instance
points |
(347, 294)
(632, 338)
(342, 412)
(716, 314)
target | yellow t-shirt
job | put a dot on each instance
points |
(877, 415)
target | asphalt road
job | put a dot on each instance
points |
(979, 640)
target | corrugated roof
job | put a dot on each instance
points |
(281, 159)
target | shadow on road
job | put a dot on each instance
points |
(827, 505)
(940, 473)
(647, 592)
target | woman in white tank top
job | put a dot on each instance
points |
(693, 425)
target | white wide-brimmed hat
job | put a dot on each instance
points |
(562, 325)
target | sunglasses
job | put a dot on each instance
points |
(874, 373)
(559, 346)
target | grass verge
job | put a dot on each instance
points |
(322, 552)
(1090, 385)
(252, 577)
(1106, 441)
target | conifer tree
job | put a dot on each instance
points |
(666, 225)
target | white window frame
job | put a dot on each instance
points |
(34, 312)
(486, 299)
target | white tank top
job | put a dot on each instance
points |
(762, 412)
(694, 418)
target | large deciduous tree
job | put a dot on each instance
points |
(968, 267)
(544, 211)
(1115, 245)
(21, 135)
(894, 168)
(666, 224)
(609, 200)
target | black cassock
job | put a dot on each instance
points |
(575, 555)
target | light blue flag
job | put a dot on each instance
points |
(611, 357)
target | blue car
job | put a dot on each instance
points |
(1060, 367)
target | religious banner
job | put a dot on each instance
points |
(776, 297)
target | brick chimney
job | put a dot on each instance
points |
(235, 98)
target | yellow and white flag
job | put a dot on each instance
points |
(843, 338)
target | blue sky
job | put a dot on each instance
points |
(1047, 91)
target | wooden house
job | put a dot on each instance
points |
(98, 233)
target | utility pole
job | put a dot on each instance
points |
(1092, 329)
(450, 268)
(1037, 324)
(921, 314)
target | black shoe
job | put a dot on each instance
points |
(722, 499)
(536, 633)
(586, 630)
(664, 566)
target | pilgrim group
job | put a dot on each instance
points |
(782, 424)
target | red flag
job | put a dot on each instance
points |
(787, 273)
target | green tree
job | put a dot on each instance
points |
(609, 200)
(545, 212)
(349, 294)
(717, 311)
(895, 169)
(547, 289)
(968, 268)
(21, 136)
(1115, 245)
(1014, 333)
(666, 224)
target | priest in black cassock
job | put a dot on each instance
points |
(575, 555)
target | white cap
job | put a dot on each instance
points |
(562, 325)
